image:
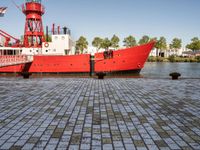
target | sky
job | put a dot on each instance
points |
(104, 18)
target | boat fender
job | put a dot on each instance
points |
(46, 44)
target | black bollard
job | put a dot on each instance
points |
(100, 75)
(175, 75)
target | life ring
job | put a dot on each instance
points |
(46, 44)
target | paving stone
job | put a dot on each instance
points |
(85, 113)
(15, 148)
(28, 146)
(73, 147)
(6, 146)
(107, 146)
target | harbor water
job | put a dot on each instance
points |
(163, 69)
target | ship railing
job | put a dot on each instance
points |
(9, 60)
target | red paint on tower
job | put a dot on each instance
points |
(33, 33)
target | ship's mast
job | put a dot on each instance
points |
(33, 33)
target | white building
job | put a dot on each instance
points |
(167, 53)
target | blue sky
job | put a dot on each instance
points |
(168, 18)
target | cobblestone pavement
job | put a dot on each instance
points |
(67, 113)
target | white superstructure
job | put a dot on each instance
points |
(61, 44)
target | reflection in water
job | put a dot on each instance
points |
(162, 70)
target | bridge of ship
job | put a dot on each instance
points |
(12, 56)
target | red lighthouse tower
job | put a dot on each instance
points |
(33, 33)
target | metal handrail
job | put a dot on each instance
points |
(9, 60)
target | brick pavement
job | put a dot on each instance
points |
(67, 113)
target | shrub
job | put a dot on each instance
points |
(151, 59)
(160, 59)
(172, 58)
(197, 58)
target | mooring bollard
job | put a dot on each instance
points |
(175, 75)
(100, 75)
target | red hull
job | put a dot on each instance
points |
(123, 60)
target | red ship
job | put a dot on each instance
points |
(37, 55)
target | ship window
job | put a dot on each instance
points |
(30, 50)
(63, 37)
(46, 50)
(36, 50)
(67, 52)
(108, 54)
(56, 37)
(54, 50)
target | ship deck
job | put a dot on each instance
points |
(86, 113)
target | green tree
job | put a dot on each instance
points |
(194, 45)
(157, 45)
(49, 39)
(81, 44)
(145, 39)
(115, 41)
(97, 42)
(130, 41)
(176, 44)
(161, 45)
(106, 43)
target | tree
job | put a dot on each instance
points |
(145, 39)
(194, 45)
(176, 44)
(115, 41)
(97, 42)
(106, 43)
(157, 45)
(49, 39)
(161, 45)
(130, 41)
(81, 44)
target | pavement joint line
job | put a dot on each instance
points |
(86, 113)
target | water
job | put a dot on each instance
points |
(162, 70)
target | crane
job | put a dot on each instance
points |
(8, 37)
